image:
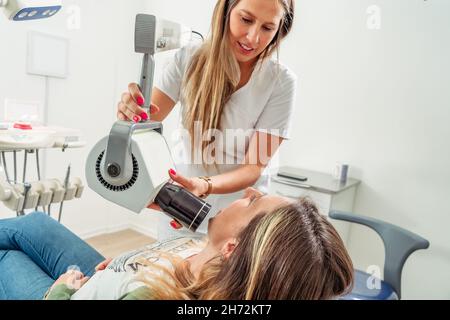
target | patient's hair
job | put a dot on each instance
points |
(291, 253)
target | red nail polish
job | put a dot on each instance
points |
(173, 172)
(140, 101)
(135, 118)
(174, 224)
(144, 116)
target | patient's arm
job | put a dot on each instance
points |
(59, 292)
(66, 285)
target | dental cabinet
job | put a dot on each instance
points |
(327, 192)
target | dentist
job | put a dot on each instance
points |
(229, 90)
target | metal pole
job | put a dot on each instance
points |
(38, 165)
(66, 184)
(27, 188)
(4, 166)
(15, 166)
(25, 165)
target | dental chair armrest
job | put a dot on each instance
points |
(399, 244)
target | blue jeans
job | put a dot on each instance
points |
(34, 251)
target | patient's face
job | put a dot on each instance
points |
(231, 220)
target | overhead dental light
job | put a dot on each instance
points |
(23, 10)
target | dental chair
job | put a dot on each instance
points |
(399, 244)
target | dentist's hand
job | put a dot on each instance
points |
(129, 108)
(195, 185)
(174, 224)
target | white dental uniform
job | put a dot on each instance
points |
(265, 103)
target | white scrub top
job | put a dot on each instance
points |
(264, 104)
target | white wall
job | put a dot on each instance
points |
(374, 98)
(102, 62)
(186, 13)
(379, 99)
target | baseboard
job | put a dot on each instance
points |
(116, 228)
(144, 231)
(110, 229)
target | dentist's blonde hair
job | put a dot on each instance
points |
(213, 73)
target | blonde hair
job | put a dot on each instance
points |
(213, 73)
(291, 253)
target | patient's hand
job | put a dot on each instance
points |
(102, 265)
(194, 185)
(73, 279)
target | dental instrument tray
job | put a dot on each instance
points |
(20, 137)
(22, 195)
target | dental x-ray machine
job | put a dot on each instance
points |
(129, 166)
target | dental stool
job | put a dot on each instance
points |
(399, 244)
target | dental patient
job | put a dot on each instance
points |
(260, 247)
